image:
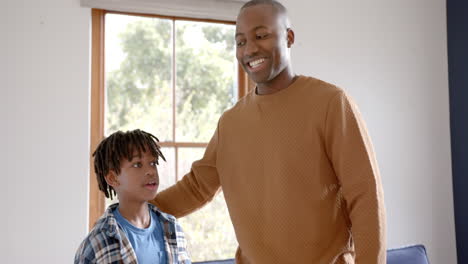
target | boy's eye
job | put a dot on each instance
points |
(262, 36)
(154, 164)
(136, 165)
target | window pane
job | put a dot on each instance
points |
(206, 77)
(186, 157)
(139, 94)
(209, 231)
(166, 169)
(138, 68)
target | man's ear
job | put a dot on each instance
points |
(111, 178)
(290, 36)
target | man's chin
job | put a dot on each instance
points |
(258, 79)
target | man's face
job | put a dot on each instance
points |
(138, 179)
(262, 42)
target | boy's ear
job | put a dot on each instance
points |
(111, 178)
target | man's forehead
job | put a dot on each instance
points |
(262, 10)
(255, 17)
(240, 32)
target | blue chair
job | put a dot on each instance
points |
(415, 254)
(406, 255)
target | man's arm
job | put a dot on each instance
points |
(351, 153)
(196, 188)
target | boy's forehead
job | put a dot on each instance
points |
(137, 152)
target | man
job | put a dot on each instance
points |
(293, 158)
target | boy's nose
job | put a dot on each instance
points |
(150, 171)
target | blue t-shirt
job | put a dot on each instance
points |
(147, 243)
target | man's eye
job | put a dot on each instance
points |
(240, 43)
(154, 164)
(262, 36)
(136, 165)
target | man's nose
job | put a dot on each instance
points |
(251, 48)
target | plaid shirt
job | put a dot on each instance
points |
(107, 242)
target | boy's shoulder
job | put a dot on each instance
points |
(95, 241)
(102, 239)
(106, 224)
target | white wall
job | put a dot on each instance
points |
(44, 96)
(391, 57)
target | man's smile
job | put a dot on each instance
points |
(256, 64)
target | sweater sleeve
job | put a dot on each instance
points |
(196, 188)
(351, 153)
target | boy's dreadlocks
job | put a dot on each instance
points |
(121, 145)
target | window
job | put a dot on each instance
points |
(172, 77)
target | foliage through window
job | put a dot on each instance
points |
(174, 78)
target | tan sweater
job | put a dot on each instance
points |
(299, 176)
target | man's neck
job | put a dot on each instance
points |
(280, 82)
(136, 213)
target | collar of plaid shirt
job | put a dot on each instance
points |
(108, 224)
(105, 247)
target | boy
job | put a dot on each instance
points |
(131, 231)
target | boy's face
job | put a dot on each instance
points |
(138, 180)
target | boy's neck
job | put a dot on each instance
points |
(137, 214)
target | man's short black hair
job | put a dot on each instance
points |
(279, 8)
(120, 145)
(277, 5)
